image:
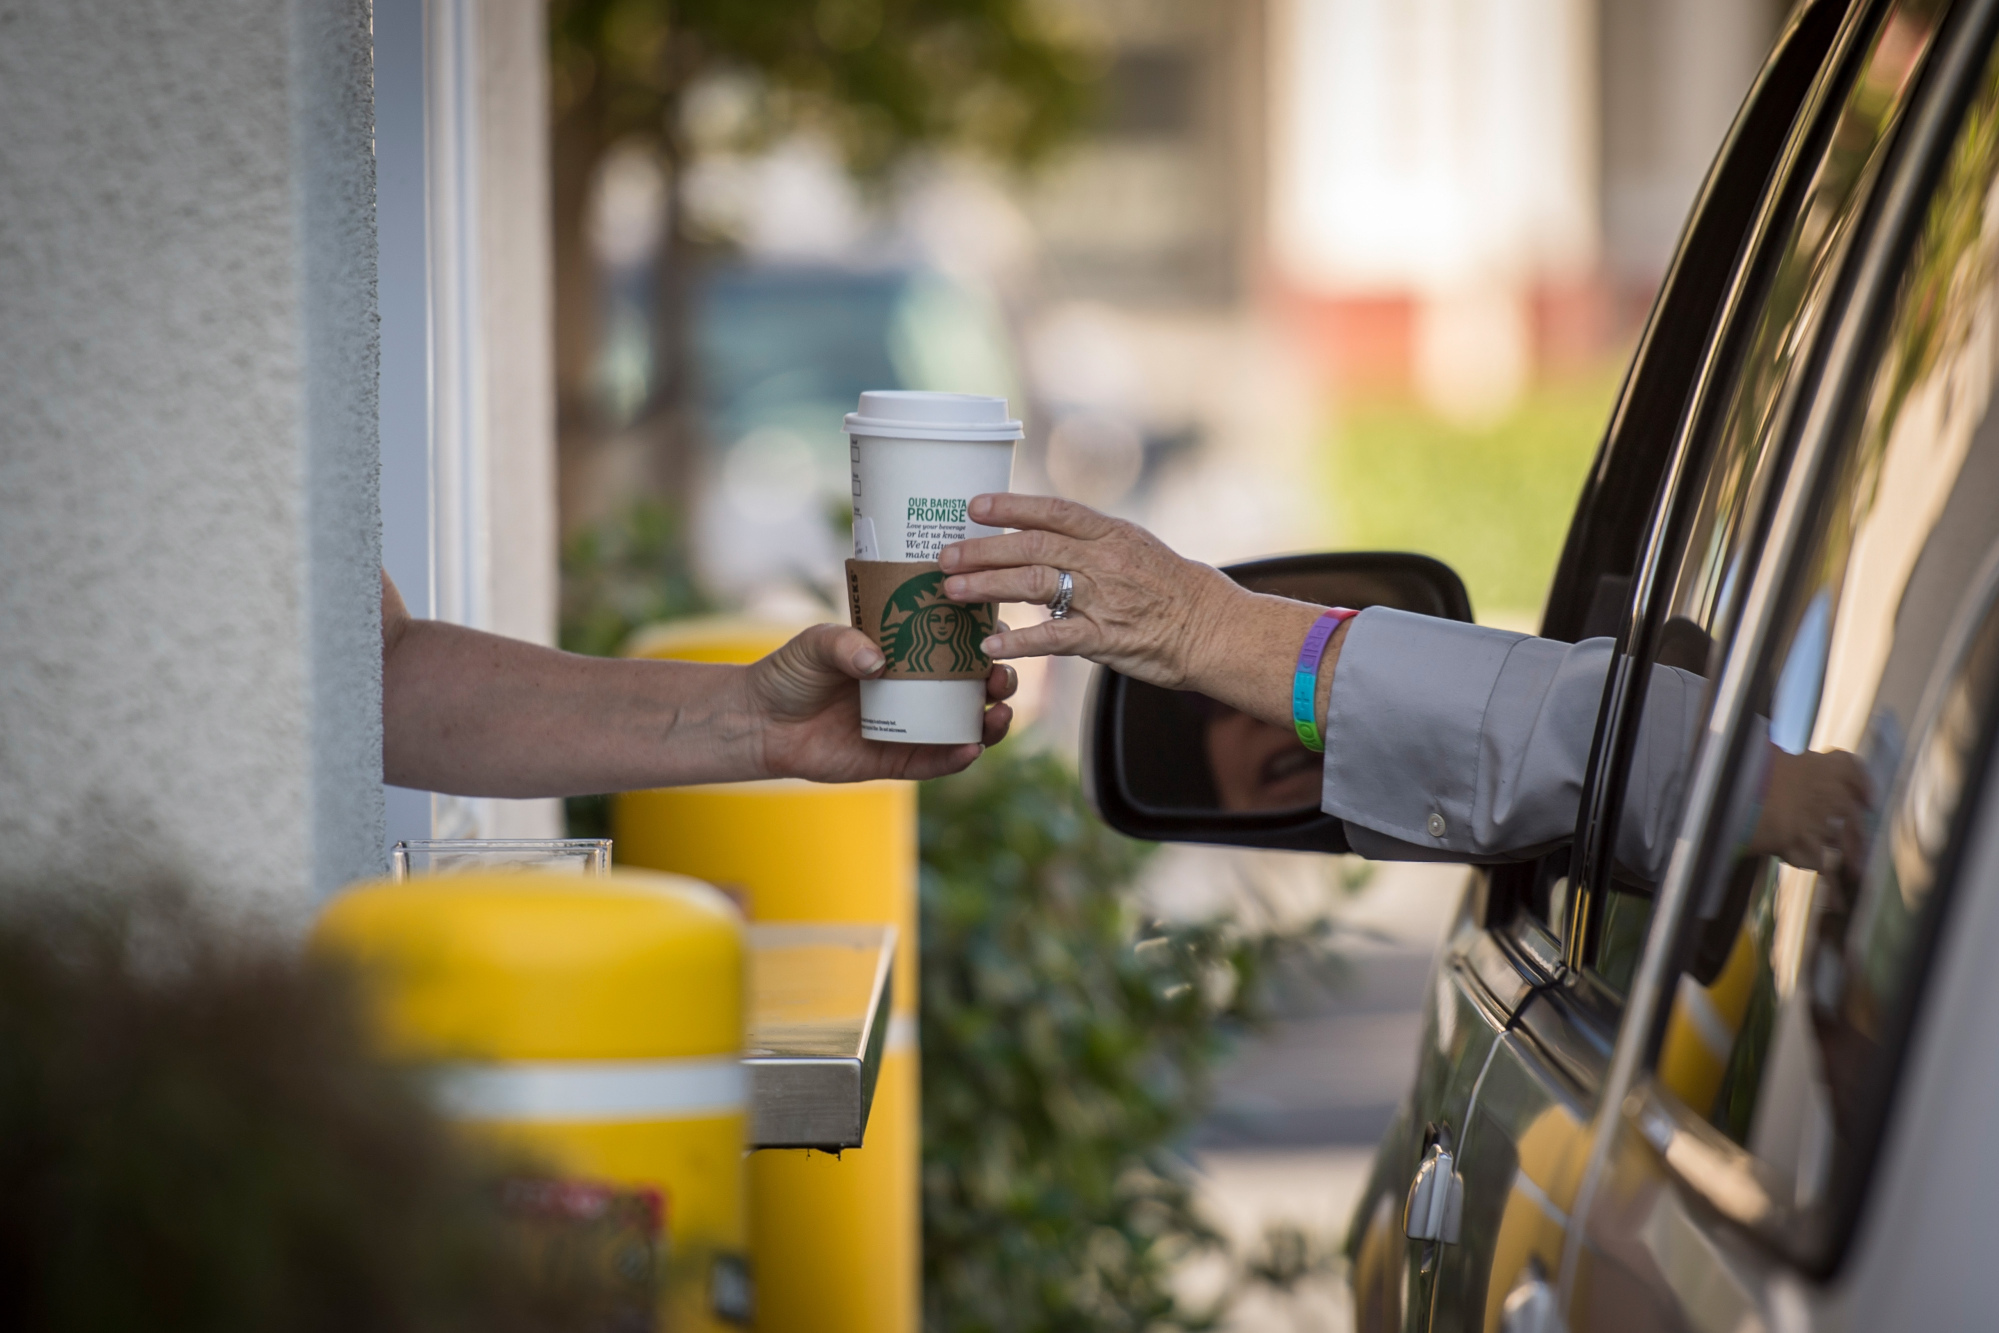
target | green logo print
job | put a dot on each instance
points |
(924, 633)
(930, 509)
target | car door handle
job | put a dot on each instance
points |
(1436, 1199)
(1531, 1307)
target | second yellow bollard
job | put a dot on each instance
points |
(835, 1240)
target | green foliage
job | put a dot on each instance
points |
(193, 1136)
(881, 76)
(1067, 1047)
(625, 574)
(1494, 503)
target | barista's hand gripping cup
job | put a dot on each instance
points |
(919, 458)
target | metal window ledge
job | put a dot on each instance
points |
(818, 1024)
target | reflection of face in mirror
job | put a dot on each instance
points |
(1257, 766)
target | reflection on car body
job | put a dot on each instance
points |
(1748, 1087)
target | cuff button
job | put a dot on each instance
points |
(1436, 826)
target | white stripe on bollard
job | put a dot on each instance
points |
(570, 1090)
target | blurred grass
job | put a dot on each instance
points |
(1493, 502)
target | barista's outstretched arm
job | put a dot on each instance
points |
(481, 715)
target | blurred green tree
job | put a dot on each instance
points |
(882, 78)
(1068, 1048)
(625, 573)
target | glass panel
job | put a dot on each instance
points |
(1876, 695)
(450, 856)
(1715, 549)
(1548, 892)
(1717, 537)
(1621, 938)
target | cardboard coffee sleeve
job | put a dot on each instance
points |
(900, 605)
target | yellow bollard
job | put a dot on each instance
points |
(835, 1240)
(595, 1023)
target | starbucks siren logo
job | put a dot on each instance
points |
(924, 633)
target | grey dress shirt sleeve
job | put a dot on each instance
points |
(1455, 742)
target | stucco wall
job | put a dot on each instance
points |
(189, 660)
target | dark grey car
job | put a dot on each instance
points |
(1749, 1095)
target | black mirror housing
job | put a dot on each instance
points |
(1146, 765)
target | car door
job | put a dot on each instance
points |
(1529, 1127)
(1849, 606)
(1532, 1067)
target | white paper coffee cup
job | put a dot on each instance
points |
(918, 459)
(923, 712)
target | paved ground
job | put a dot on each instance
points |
(1332, 1069)
(1314, 1189)
(1301, 1107)
(1332, 1074)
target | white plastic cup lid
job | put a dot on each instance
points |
(916, 414)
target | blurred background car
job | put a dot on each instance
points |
(783, 353)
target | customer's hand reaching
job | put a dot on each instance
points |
(1136, 607)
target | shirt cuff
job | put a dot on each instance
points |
(1403, 725)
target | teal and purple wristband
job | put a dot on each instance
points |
(1305, 683)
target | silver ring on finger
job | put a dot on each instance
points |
(1065, 591)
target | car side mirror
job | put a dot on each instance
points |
(1175, 766)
